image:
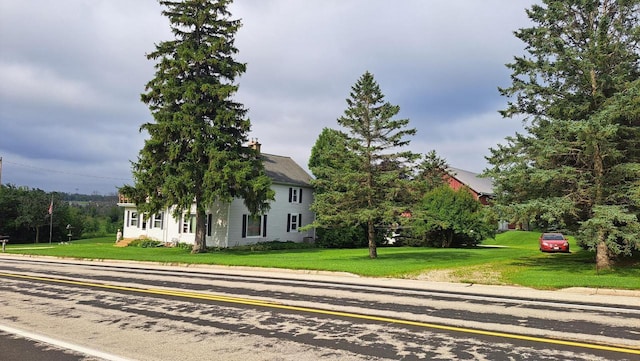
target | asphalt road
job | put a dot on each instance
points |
(121, 311)
(16, 348)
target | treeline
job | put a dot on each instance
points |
(30, 215)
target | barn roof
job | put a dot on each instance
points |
(480, 185)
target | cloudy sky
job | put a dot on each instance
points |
(72, 71)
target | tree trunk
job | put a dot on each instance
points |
(603, 261)
(371, 234)
(200, 241)
(447, 240)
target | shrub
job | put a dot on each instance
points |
(145, 243)
(342, 237)
(273, 246)
(452, 218)
(185, 246)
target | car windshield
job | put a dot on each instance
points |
(553, 237)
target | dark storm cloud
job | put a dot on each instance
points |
(71, 74)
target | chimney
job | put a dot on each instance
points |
(254, 144)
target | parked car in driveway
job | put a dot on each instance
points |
(554, 242)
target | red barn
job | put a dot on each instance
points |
(481, 188)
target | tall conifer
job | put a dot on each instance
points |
(577, 88)
(196, 151)
(362, 172)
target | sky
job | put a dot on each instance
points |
(72, 71)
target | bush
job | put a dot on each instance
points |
(145, 243)
(452, 218)
(343, 237)
(185, 246)
(273, 246)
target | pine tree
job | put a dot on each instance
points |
(364, 184)
(195, 153)
(572, 167)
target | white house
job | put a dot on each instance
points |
(230, 224)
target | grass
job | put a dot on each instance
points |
(511, 258)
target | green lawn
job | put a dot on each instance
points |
(512, 258)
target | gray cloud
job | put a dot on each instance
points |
(71, 74)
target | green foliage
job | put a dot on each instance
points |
(341, 237)
(24, 215)
(579, 92)
(431, 172)
(330, 156)
(196, 153)
(145, 243)
(270, 246)
(453, 219)
(361, 176)
(184, 246)
(614, 224)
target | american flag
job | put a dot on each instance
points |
(51, 207)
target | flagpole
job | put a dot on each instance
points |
(50, 218)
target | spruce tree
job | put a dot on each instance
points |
(572, 168)
(195, 152)
(363, 184)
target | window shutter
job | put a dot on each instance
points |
(289, 222)
(264, 226)
(299, 220)
(209, 220)
(244, 226)
(300, 197)
(128, 214)
(290, 194)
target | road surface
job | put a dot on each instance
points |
(133, 311)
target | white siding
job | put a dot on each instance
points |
(227, 224)
(276, 218)
(129, 231)
(220, 225)
(282, 208)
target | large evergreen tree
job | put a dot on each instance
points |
(363, 186)
(577, 89)
(195, 152)
(329, 158)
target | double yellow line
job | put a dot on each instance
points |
(252, 302)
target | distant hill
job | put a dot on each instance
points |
(81, 199)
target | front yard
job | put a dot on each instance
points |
(512, 258)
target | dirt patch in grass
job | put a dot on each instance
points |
(440, 275)
(475, 274)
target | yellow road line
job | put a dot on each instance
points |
(247, 301)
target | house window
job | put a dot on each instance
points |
(294, 221)
(295, 195)
(143, 220)
(157, 220)
(254, 226)
(133, 219)
(188, 223)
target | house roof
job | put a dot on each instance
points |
(480, 185)
(284, 170)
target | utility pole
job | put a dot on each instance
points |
(0, 171)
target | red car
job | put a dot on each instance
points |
(554, 242)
